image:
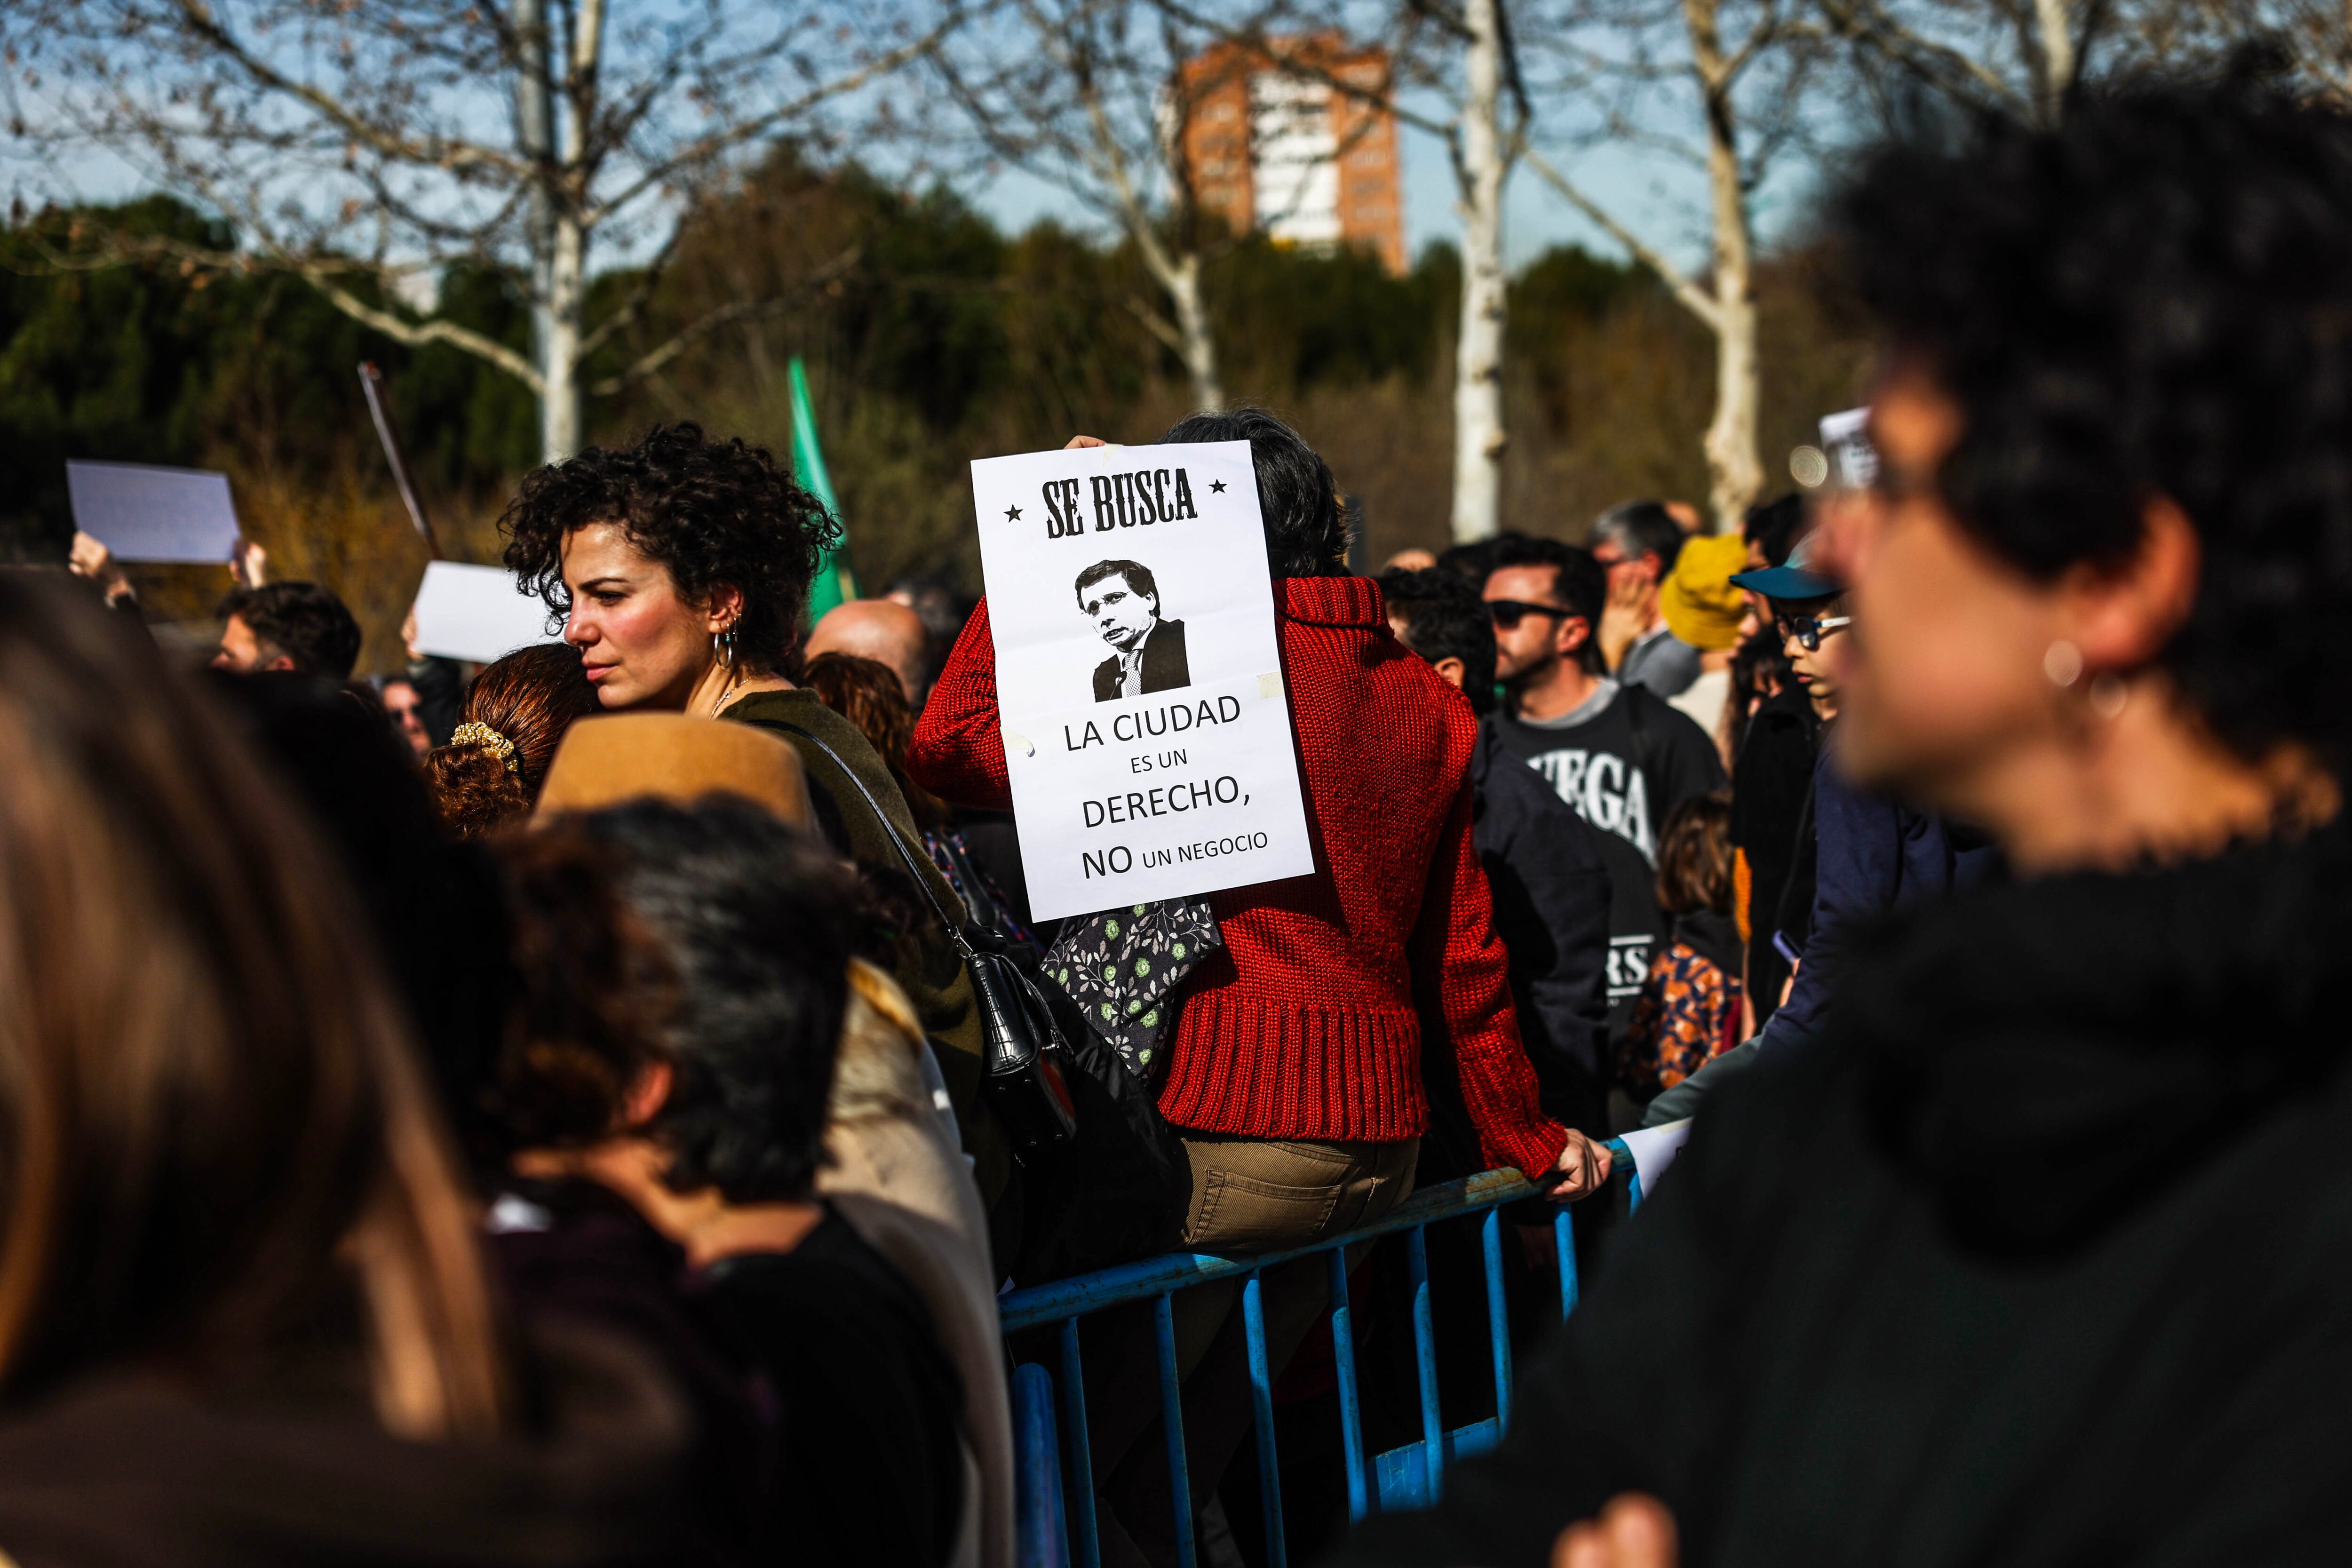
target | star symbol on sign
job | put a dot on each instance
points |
(1013, 514)
(1218, 486)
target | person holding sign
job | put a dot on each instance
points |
(681, 566)
(1291, 1068)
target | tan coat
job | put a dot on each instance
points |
(897, 1173)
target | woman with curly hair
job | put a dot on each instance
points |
(2034, 1254)
(514, 717)
(681, 566)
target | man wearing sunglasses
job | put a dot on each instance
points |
(1618, 753)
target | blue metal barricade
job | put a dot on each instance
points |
(1057, 1522)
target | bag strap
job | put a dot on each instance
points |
(914, 868)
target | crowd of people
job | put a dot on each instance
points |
(561, 1112)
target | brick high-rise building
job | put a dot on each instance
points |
(1291, 155)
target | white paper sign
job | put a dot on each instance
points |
(1654, 1149)
(1846, 439)
(1137, 677)
(145, 514)
(475, 613)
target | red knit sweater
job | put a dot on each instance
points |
(1305, 1027)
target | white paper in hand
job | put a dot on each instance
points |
(1654, 1149)
(144, 513)
(475, 613)
(1146, 728)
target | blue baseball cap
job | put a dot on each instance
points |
(1796, 580)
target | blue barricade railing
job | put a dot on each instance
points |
(1057, 1484)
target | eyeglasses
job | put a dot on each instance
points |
(1809, 630)
(1509, 613)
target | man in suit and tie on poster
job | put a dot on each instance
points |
(1148, 653)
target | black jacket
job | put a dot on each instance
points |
(1871, 857)
(2037, 1258)
(1164, 665)
(1551, 908)
(1770, 787)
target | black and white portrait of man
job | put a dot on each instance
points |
(1146, 652)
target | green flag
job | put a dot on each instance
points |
(834, 581)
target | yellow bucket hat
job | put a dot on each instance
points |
(1699, 602)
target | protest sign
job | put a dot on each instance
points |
(1138, 678)
(144, 513)
(475, 613)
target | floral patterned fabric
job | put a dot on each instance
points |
(1687, 1014)
(1121, 965)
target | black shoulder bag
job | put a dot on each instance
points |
(1028, 1063)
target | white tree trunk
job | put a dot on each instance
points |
(1735, 472)
(1479, 434)
(560, 415)
(1199, 346)
(2057, 54)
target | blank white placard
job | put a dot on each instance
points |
(145, 514)
(475, 613)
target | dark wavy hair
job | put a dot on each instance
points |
(1138, 578)
(301, 620)
(2151, 299)
(1308, 528)
(530, 697)
(753, 925)
(714, 513)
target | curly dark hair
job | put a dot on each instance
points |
(714, 513)
(530, 696)
(1308, 528)
(2149, 299)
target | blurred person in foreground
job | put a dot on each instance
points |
(1543, 861)
(682, 565)
(515, 717)
(1289, 1069)
(692, 975)
(297, 626)
(248, 1320)
(2036, 1257)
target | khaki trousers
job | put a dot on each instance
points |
(1249, 1196)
